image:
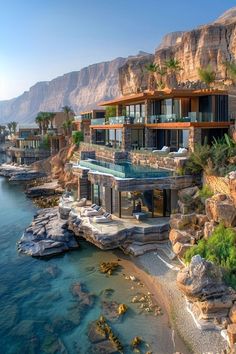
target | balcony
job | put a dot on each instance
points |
(118, 120)
(172, 118)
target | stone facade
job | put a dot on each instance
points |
(195, 137)
(153, 160)
(104, 153)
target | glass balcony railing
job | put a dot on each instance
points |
(126, 120)
(98, 121)
(118, 120)
(191, 117)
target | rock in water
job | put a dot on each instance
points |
(47, 235)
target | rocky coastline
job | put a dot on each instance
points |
(47, 235)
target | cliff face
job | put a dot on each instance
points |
(210, 44)
(80, 89)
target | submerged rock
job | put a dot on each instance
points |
(47, 235)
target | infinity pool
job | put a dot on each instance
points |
(125, 169)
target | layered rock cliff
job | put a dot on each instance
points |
(79, 89)
(211, 44)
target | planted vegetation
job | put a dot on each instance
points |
(220, 249)
(217, 159)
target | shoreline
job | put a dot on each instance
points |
(163, 280)
(161, 283)
(159, 297)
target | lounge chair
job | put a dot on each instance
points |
(81, 202)
(94, 212)
(163, 151)
(106, 217)
(182, 152)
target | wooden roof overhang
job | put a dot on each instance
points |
(168, 93)
(117, 126)
(187, 125)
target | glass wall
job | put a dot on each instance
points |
(137, 138)
(136, 111)
(174, 138)
(155, 203)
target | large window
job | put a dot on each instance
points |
(137, 138)
(174, 138)
(137, 111)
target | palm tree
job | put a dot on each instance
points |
(152, 69)
(39, 120)
(68, 111)
(161, 72)
(173, 67)
(14, 125)
(51, 116)
(9, 125)
(207, 75)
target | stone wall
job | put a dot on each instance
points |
(151, 159)
(103, 153)
(195, 137)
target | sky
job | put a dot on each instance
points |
(43, 39)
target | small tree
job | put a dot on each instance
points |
(14, 125)
(9, 125)
(77, 137)
(207, 75)
(110, 112)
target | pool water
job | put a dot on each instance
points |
(125, 169)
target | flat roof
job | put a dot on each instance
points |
(178, 93)
(93, 110)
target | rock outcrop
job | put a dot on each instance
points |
(221, 209)
(211, 44)
(47, 235)
(202, 284)
(19, 173)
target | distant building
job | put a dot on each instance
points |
(83, 121)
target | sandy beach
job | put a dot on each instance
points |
(161, 280)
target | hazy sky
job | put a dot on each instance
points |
(42, 39)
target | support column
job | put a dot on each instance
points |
(126, 138)
(149, 140)
(92, 136)
(84, 185)
(195, 137)
(119, 109)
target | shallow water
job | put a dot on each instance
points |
(38, 313)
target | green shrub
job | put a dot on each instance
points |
(220, 249)
(77, 137)
(205, 192)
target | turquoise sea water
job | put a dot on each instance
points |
(38, 312)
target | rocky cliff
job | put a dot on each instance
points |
(79, 89)
(211, 44)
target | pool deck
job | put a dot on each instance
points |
(131, 235)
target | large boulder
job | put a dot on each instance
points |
(209, 228)
(220, 208)
(180, 248)
(189, 200)
(201, 280)
(47, 235)
(179, 236)
(179, 221)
